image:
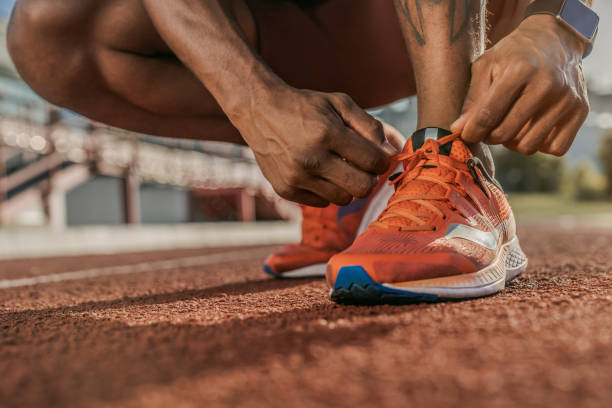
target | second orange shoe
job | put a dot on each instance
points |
(326, 232)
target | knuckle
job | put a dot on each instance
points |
(557, 150)
(365, 188)
(293, 176)
(485, 118)
(522, 68)
(376, 129)
(478, 65)
(376, 163)
(343, 199)
(370, 162)
(548, 83)
(497, 136)
(343, 98)
(285, 191)
(323, 135)
(585, 107)
(573, 100)
(526, 66)
(527, 149)
(311, 162)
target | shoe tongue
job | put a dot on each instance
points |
(456, 149)
(420, 136)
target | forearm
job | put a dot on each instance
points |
(443, 37)
(214, 48)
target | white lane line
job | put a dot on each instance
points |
(211, 259)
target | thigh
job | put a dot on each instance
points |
(351, 46)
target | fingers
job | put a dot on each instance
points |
(561, 138)
(302, 184)
(394, 137)
(491, 109)
(361, 122)
(315, 192)
(551, 131)
(534, 138)
(336, 181)
(354, 181)
(529, 106)
(479, 85)
(360, 152)
(327, 191)
(301, 196)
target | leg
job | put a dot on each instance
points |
(106, 60)
(117, 71)
(443, 37)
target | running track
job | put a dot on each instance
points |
(205, 328)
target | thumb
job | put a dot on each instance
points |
(479, 85)
(394, 138)
(459, 124)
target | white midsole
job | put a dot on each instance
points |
(486, 281)
(311, 271)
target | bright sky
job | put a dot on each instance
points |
(5, 7)
(598, 67)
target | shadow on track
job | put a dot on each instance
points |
(65, 356)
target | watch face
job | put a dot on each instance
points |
(580, 17)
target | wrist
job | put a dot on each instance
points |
(549, 24)
(257, 91)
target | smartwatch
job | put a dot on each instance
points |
(573, 14)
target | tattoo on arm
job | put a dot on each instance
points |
(458, 15)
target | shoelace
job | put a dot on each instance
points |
(427, 156)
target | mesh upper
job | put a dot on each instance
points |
(459, 152)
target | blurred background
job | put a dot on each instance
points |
(68, 184)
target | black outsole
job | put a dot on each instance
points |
(354, 286)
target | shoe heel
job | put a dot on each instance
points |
(516, 260)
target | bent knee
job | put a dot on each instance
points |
(46, 41)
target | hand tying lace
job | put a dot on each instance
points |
(424, 170)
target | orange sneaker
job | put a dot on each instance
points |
(447, 233)
(326, 232)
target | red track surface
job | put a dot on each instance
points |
(226, 335)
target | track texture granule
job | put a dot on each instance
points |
(226, 335)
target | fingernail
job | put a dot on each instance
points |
(389, 148)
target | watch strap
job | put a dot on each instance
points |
(554, 8)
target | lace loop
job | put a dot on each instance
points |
(427, 157)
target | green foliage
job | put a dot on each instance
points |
(585, 183)
(605, 156)
(520, 173)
